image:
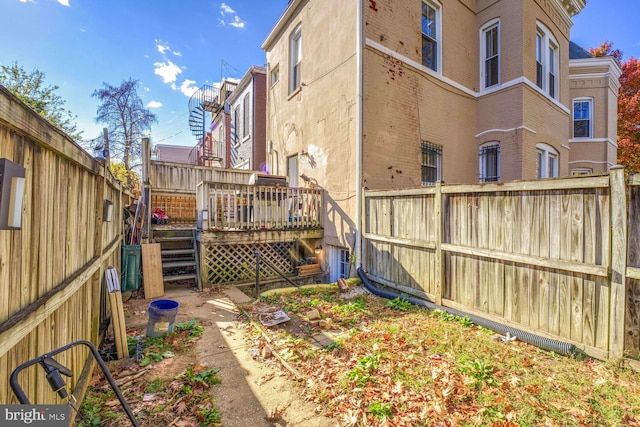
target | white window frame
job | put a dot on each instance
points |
(589, 102)
(484, 59)
(235, 133)
(246, 113)
(295, 57)
(435, 36)
(581, 171)
(275, 75)
(431, 159)
(547, 62)
(545, 154)
(339, 263)
(482, 162)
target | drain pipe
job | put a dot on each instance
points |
(563, 348)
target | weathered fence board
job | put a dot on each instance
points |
(537, 254)
(51, 267)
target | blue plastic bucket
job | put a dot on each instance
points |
(162, 315)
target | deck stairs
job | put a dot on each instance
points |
(180, 263)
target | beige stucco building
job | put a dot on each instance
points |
(388, 94)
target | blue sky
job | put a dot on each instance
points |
(175, 46)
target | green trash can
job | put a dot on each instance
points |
(131, 272)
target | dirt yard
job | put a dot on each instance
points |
(255, 390)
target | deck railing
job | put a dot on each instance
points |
(225, 206)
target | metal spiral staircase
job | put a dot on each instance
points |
(204, 100)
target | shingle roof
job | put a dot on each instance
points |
(577, 52)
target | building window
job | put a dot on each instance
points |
(343, 264)
(245, 116)
(275, 75)
(295, 56)
(582, 118)
(235, 132)
(547, 161)
(546, 61)
(431, 32)
(490, 54)
(489, 157)
(581, 171)
(431, 163)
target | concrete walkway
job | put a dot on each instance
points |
(252, 391)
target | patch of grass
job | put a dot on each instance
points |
(356, 306)
(202, 377)
(435, 363)
(307, 291)
(271, 299)
(209, 417)
(155, 385)
(193, 330)
(478, 369)
(399, 304)
(380, 410)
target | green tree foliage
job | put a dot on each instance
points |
(123, 112)
(628, 107)
(31, 88)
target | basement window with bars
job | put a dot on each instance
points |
(431, 163)
(489, 157)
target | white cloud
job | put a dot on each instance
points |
(64, 2)
(188, 87)
(230, 17)
(27, 1)
(225, 8)
(167, 70)
(154, 104)
(161, 46)
(164, 47)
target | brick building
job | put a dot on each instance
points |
(396, 94)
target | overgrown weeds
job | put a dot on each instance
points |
(392, 362)
(157, 400)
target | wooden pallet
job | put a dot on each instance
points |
(309, 270)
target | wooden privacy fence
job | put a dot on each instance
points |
(546, 256)
(51, 270)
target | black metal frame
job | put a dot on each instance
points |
(53, 370)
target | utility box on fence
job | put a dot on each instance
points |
(131, 268)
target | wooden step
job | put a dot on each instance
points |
(177, 264)
(174, 239)
(180, 277)
(178, 252)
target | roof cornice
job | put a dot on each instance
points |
(601, 61)
(573, 7)
(282, 22)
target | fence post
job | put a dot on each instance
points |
(439, 273)
(618, 261)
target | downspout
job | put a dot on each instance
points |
(359, 108)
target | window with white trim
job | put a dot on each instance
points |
(246, 109)
(431, 35)
(490, 54)
(546, 61)
(583, 117)
(339, 263)
(547, 158)
(431, 163)
(235, 132)
(295, 57)
(581, 171)
(489, 162)
(275, 75)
